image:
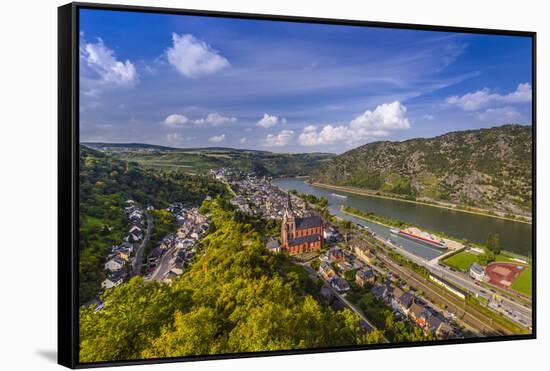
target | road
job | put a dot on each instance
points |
(138, 261)
(164, 265)
(315, 275)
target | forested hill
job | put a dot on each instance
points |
(105, 184)
(235, 298)
(103, 174)
(487, 168)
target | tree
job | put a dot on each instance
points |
(315, 264)
(192, 333)
(493, 243)
(236, 297)
(132, 314)
(349, 275)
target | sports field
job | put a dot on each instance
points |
(461, 261)
(511, 276)
(524, 282)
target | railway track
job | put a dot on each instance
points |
(469, 315)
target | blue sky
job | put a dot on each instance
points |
(189, 81)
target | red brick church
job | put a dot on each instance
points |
(300, 234)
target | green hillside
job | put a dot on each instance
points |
(485, 168)
(235, 298)
(200, 160)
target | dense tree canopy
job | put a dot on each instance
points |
(236, 297)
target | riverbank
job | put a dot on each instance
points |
(452, 243)
(437, 205)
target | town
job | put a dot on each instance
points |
(341, 260)
(349, 260)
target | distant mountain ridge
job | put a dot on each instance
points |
(104, 146)
(485, 168)
(200, 160)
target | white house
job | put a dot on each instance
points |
(115, 264)
(112, 282)
(477, 272)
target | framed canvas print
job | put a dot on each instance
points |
(236, 185)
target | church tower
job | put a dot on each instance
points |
(288, 227)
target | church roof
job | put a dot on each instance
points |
(309, 222)
(304, 239)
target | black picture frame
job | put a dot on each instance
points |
(68, 187)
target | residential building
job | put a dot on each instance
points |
(114, 264)
(380, 291)
(404, 302)
(325, 269)
(154, 256)
(336, 254)
(362, 250)
(417, 314)
(365, 276)
(114, 279)
(273, 246)
(339, 284)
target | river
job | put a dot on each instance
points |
(515, 237)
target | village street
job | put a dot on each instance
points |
(164, 265)
(138, 261)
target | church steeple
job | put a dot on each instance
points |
(288, 227)
(289, 202)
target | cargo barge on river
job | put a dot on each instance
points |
(417, 235)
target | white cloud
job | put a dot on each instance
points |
(503, 115)
(176, 120)
(387, 116)
(428, 117)
(484, 97)
(381, 122)
(102, 70)
(213, 119)
(217, 138)
(278, 140)
(194, 58)
(242, 140)
(268, 121)
(310, 136)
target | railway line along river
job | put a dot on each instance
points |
(515, 237)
